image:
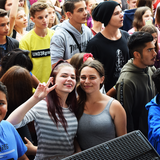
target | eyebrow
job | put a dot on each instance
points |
(89, 75)
(4, 23)
(117, 11)
(82, 8)
(68, 74)
(2, 100)
(151, 48)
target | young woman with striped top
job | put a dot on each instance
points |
(54, 117)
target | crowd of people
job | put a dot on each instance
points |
(76, 73)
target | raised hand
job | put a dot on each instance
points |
(42, 89)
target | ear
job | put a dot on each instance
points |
(32, 19)
(102, 79)
(136, 55)
(69, 15)
(127, 1)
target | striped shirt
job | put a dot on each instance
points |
(52, 141)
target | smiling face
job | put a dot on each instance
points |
(3, 106)
(90, 80)
(21, 19)
(65, 80)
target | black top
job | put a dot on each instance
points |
(112, 54)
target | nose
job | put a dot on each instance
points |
(52, 15)
(7, 27)
(25, 18)
(69, 78)
(121, 15)
(154, 40)
(87, 80)
(85, 11)
(45, 19)
(150, 18)
(154, 53)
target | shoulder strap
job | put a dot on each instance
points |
(79, 47)
(14, 34)
(109, 103)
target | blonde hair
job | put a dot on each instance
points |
(94, 6)
(26, 7)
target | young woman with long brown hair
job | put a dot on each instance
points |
(54, 117)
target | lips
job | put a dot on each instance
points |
(6, 32)
(154, 59)
(68, 85)
(45, 24)
(87, 86)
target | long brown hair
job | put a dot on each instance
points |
(138, 21)
(19, 85)
(81, 93)
(53, 100)
(56, 18)
(157, 19)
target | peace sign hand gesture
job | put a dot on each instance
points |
(43, 89)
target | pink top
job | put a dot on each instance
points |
(32, 1)
(131, 31)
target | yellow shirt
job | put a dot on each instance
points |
(39, 52)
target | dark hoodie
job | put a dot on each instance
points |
(135, 89)
(154, 122)
(128, 19)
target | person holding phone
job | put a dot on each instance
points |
(142, 17)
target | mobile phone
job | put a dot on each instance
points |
(148, 22)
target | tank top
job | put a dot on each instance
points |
(96, 129)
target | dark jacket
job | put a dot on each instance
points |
(135, 89)
(11, 44)
(128, 19)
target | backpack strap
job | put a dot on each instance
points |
(79, 47)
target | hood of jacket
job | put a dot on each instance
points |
(66, 25)
(129, 14)
(130, 67)
(153, 102)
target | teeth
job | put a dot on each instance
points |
(68, 84)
